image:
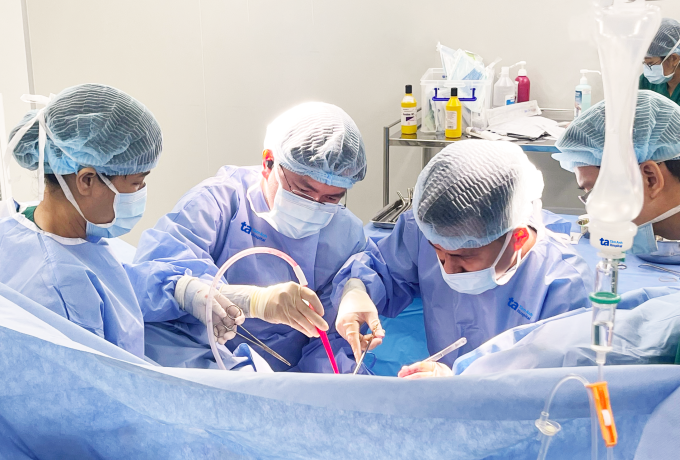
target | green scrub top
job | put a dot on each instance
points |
(30, 213)
(661, 89)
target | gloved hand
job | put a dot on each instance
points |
(284, 304)
(423, 370)
(192, 295)
(357, 308)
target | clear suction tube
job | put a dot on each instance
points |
(213, 289)
(549, 428)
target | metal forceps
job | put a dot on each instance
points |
(254, 340)
(363, 355)
(668, 279)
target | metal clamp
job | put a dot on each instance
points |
(659, 268)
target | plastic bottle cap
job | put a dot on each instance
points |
(522, 72)
(409, 89)
(454, 92)
(505, 70)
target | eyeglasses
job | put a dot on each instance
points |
(307, 197)
(584, 197)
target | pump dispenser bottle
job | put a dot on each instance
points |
(523, 83)
(504, 89)
(409, 122)
(583, 93)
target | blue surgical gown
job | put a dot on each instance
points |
(551, 279)
(646, 331)
(77, 279)
(211, 223)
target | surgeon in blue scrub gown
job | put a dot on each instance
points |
(312, 154)
(473, 247)
(100, 145)
(656, 139)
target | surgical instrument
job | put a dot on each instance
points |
(259, 343)
(659, 268)
(363, 355)
(213, 291)
(454, 346)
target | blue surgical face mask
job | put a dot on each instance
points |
(655, 74)
(128, 209)
(645, 241)
(475, 283)
(297, 217)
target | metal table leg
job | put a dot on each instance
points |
(427, 154)
(386, 165)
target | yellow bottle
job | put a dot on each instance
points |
(409, 123)
(454, 116)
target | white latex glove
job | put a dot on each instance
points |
(357, 308)
(284, 304)
(192, 295)
(423, 370)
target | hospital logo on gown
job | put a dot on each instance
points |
(519, 309)
(245, 228)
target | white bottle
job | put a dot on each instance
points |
(504, 89)
(583, 93)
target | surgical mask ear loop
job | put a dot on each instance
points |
(508, 237)
(501, 279)
(69, 196)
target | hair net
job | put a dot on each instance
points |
(656, 133)
(473, 192)
(320, 141)
(93, 125)
(666, 39)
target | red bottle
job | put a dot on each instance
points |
(523, 85)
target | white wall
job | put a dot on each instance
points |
(14, 80)
(215, 72)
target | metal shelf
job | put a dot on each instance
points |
(430, 141)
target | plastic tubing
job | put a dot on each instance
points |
(213, 291)
(545, 442)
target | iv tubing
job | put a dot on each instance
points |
(545, 442)
(213, 290)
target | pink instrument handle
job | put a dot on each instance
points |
(329, 350)
(326, 346)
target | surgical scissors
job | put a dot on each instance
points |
(361, 359)
(254, 340)
(363, 355)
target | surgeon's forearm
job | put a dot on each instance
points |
(240, 295)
